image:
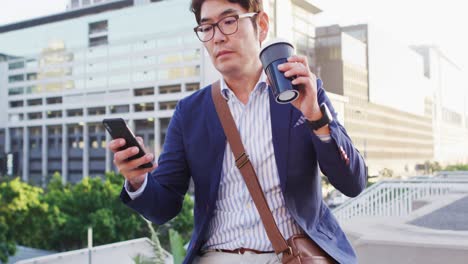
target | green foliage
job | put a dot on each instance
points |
(158, 257)
(183, 223)
(457, 167)
(91, 202)
(24, 216)
(57, 218)
(158, 251)
(7, 243)
(177, 246)
(386, 173)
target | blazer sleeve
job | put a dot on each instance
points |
(163, 196)
(350, 179)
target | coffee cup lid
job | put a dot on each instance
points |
(275, 41)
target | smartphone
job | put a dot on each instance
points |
(118, 128)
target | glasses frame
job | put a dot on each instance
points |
(214, 25)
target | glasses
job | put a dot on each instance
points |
(227, 25)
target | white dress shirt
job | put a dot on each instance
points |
(236, 222)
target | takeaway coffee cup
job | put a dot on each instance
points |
(274, 53)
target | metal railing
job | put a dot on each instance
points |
(396, 197)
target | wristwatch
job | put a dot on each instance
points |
(325, 120)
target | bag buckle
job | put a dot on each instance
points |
(289, 251)
(242, 160)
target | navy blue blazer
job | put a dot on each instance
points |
(194, 148)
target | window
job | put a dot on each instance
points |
(98, 41)
(144, 91)
(31, 76)
(15, 91)
(75, 112)
(33, 102)
(97, 33)
(54, 100)
(98, 27)
(75, 3)
(169, 89)
(15, 117)
(36, 115)
(114, 109)
(189, 87)
(96, 111)
(16, 65)
(15, 78)
(144, 107)
(167, 105)
(54, 114)
(14, 104)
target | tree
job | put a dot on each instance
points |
(457, 167)
(57, 218)
(91, 202)
(177, 246)
(23, 216)
(7, 243)
(182, 223)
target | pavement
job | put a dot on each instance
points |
(451, 217)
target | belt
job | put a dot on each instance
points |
(242, 251)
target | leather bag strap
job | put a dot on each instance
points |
(248, 173)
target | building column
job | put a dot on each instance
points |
(64, 153)
(131, 124)
(85, 150)
(157, 137)
(45, 144)
(7, 140)
(108, 153)
(25, 154)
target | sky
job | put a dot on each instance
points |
(410, 21)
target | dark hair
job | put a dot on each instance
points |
(249, 5)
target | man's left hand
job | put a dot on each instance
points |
(298, 68)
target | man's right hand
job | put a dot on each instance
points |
(129, 168)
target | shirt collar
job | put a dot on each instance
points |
(227, 93)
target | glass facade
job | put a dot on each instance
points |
(135, 63)
(80, 70)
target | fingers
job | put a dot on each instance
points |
(132, 166)
(300, 59)
(142, 144)
(296, 70)
(116, 144)
(137, 175)
(300, 81)
(123, 155)
(304, 80)
(296, 66)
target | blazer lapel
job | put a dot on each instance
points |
(280, 127)
(216, 138)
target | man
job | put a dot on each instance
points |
(284, 151)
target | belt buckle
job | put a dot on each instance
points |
(241, 251)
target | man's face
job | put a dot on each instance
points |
(232, 53)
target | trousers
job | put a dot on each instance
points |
(214, 257)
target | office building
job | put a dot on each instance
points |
(61, 74)
(388, 132)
